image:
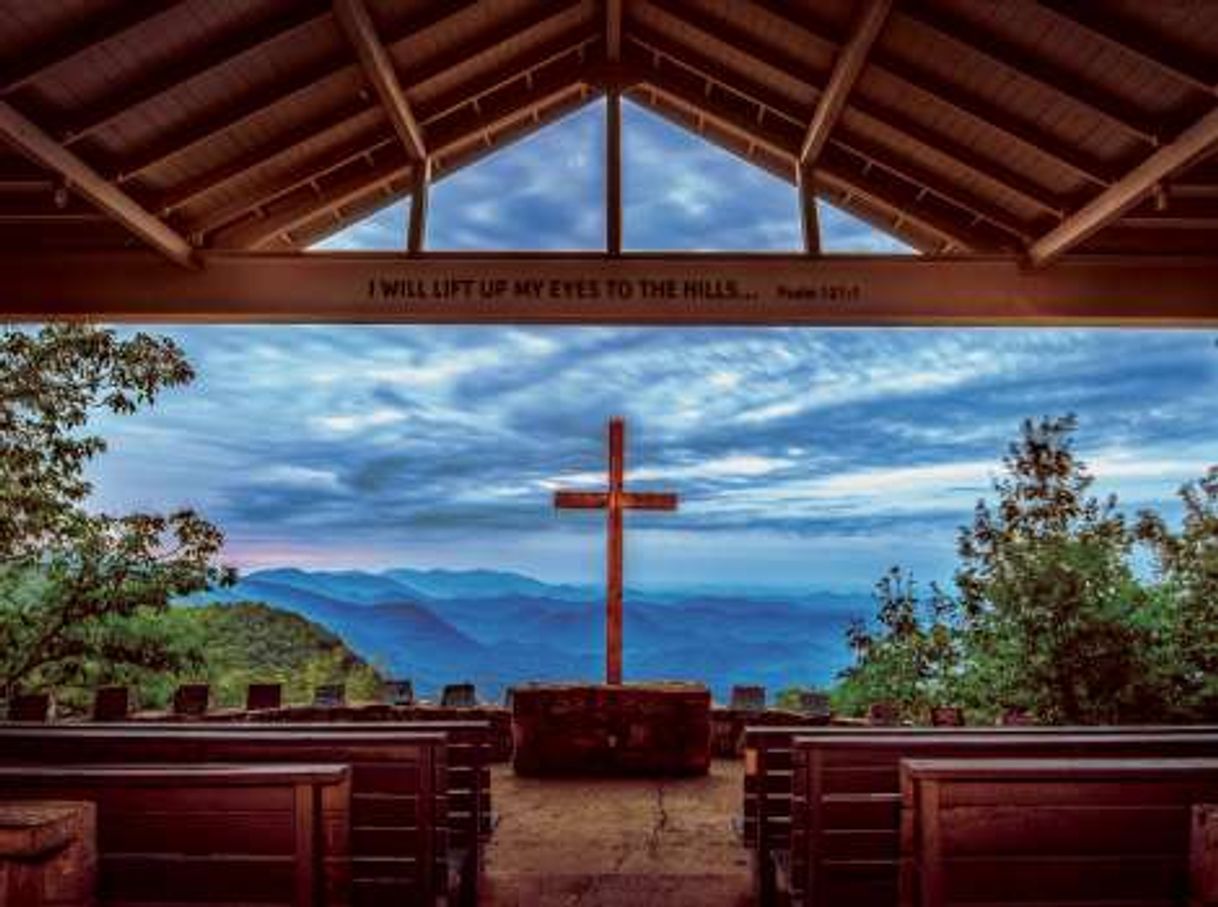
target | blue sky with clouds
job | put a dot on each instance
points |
(805, 458)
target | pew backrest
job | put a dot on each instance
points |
(846, 818)
(1060, 831)
(398, 829)
(208, 834)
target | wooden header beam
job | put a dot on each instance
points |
(353, 16)
(35, 144)
(438, 288)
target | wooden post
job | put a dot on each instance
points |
(613, 604)
(417, 233)
(1203, 857)
(810, 217)
(613, 172)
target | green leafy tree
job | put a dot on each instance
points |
(1183, 620)
(78, 590)
(1048, 601)
(908, 656)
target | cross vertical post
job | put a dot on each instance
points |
(615, 500)
(613, 595)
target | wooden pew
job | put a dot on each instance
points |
(1053, 831)
(183, 834)
(845, 796)
(400, 851)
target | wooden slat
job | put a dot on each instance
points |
(98, 28)
(178, 71)
(27, 137)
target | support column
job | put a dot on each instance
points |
(417, 232)
(613, 172)
(809, 215)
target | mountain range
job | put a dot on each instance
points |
(496, 628)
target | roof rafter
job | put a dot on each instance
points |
(32, 141)
(97, 29)
(516, 69)
(975, 107)
(181, 70)
(1198, 139)
(259, 232)
(847, 68)
(1049, 75)
(613, 30)
(894, 121)
(1171, 59)
(786, 146)
(706, 70)
(316, 128)
(262, 100)
(378, 68)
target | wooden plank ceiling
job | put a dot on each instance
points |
(1035, 127)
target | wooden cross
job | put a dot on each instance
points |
(615, 500)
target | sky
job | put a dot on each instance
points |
(805, 458)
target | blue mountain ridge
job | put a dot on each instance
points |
(496, 628)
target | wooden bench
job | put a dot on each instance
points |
(208, 834)
(1203, 856)
(400, 850)
(845, 796)
(470, 751)
(1063, 832)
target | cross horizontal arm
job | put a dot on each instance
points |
(581, 500)
(649, 500)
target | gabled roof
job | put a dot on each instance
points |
(958, 125)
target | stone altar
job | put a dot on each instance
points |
(611, 729)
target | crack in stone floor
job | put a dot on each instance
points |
(603, 843)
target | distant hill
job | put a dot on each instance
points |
(245, 642)
(496, 628)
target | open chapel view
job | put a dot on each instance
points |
(608, 452)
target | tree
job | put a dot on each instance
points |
(909, 657)
(1048, 601)
(78, 589)
(1183, 620)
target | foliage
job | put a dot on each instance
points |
(909, 659)
(79, 590)
(251, 642)
(1048, 613)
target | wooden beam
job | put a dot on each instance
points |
(318, 165)
(100, 27)
(921, 180)
(181, 69)
(613, 30)
(1171, 59)
(416, 235)
(809, 215)
(31, 141)
(978, 108)
(846, 71)
(262, 100)
(887, 118)
(1198, 139)
(1063, 82)
(613, 173)
(665, 289)
(378, 68)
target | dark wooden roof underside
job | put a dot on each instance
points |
(973, 126)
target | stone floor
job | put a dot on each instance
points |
(603, 843)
